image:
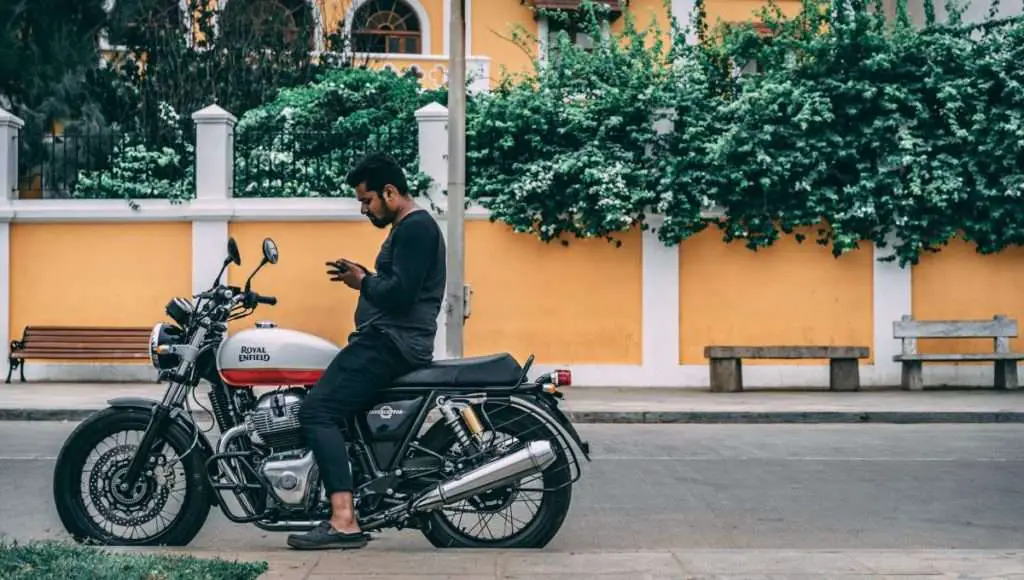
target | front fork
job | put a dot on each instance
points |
(173, 398)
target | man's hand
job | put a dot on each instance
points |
(350, 273)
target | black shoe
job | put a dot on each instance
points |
(324, 537)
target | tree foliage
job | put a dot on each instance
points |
(868, 130)
(304, 142)
(860, 127)
(48, 65)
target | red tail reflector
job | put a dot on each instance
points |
(563, 377)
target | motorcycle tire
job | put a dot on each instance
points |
(68, 477)
(554, 502)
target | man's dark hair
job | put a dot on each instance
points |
(378, 170)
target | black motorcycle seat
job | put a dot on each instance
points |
(493, 370)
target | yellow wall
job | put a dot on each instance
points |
(744, 10)
(433, 71)
(646, 15)
(97, 274)
(558, 303)
(579, 304)
(306, 298)
(790, 293)
(493, 24)
(958, 283)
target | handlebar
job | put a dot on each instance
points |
(268, 300)
(224, 297)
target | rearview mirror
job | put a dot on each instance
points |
(269, 250)
(233, 255)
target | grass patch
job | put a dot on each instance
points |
(50, 560)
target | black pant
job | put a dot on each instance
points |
(369, 362)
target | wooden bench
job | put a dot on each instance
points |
(727, 368)
(1000, 329)
(78, 342)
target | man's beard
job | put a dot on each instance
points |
(380, 222)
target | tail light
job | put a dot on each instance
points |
(562, 377)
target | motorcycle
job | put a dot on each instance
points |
(457, 437)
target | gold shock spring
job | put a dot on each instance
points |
(472, 421)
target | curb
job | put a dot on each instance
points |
(778, 417)
(663, 417)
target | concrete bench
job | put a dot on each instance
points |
(727, 368)
(1000, 329)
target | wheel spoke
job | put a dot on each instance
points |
(127, 514)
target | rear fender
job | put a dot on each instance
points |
(179, 417)
(551, 414)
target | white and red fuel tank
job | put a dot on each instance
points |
(271, 356)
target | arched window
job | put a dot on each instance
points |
(268, 24)
(386, 26)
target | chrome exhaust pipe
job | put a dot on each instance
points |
(533, 459)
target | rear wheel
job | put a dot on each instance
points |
(169, 502)
(524, 514)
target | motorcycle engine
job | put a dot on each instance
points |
(290, 469)
(275, 420)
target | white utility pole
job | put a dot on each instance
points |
(456, 180)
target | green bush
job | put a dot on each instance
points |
(872, 128)
(304, 142)
(139, 170)
(860, 127)
(865, 129)
(48, 560)
(566, 148)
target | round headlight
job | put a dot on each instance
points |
(163, 334)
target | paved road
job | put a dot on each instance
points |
(699, 487)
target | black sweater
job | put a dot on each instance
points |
(403, 297)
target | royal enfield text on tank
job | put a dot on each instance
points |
(444, 448)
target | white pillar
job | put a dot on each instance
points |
(682, 11)
(892, 299)
(660, 291)
(660, 306)
(214, 186)
(433, 147)
(10, 126)
(433, 153)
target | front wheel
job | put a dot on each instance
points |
(524, 514)
(169, 502)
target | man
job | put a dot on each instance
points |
(396, 320)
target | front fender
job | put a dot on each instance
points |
(180, 417)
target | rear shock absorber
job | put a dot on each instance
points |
(468, 415)
(452, 419)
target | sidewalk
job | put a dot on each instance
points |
(730, 564)
(66, 401)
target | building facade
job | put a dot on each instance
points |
(416, 34)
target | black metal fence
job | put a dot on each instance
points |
(291, 163)
(50, 167)
(104, 165)
(267, 163)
